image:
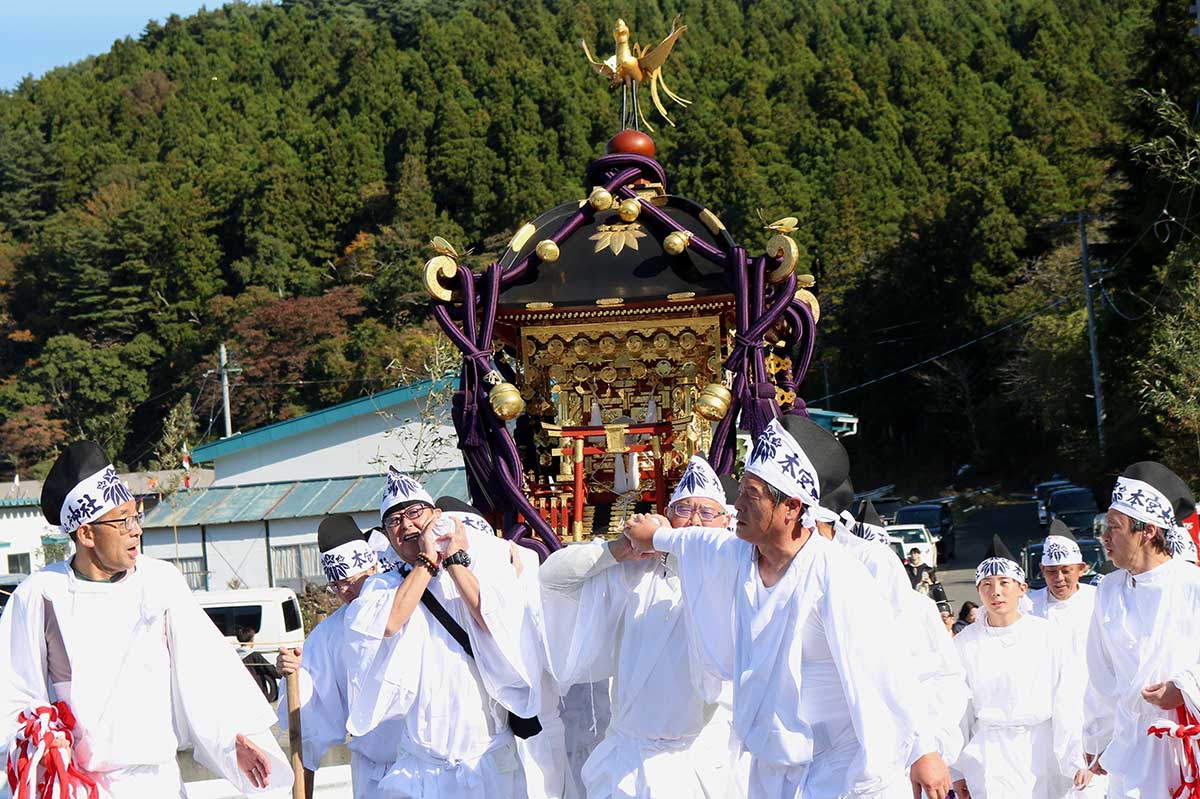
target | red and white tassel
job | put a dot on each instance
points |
(40, 764)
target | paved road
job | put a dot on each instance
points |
(1015, 524)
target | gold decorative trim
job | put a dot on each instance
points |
(515, 315)
(521, 237)
(605, 302)
(808, 298)
(617, 237)
(681, 296)
(787, 251)
(538, 306)
(439, 266)
(711, 221)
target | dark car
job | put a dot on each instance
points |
(937, 519)
(1043, 490)
(886, 507)
(1093, 556)
(1074, 507)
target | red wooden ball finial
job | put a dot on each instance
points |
(632, 141)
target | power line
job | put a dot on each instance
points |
(340, 380)
(952, 350)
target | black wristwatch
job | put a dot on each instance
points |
(459, 558)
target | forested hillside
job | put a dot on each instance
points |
(269, 176)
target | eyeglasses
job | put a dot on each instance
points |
(131, 523)
(393, 522)
(688, 511)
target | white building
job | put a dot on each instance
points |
(256, 525)
(26, 538)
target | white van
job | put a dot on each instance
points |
(273, 614)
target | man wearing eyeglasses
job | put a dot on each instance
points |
(347, 560)
(442, 646)
(610, 613)
(116, 640)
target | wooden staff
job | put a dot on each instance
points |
(302, 778)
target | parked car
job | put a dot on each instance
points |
(938, 519)
(1074, 507)
(273, 614)
(1041, 491)
(8, 584)
(886, 507)
(1093, 555)
(914, 535)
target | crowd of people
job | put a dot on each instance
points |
(757, 641)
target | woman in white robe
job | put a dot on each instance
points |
(1023, 724)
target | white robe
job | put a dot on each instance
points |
(454, 740)
(544, 756)
(145, 672)
(1073, 619)
(323, 709)
(823, 698)
(627, 621)
(1023, 724)
(939, 672)
(1145, 629)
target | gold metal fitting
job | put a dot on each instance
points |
(547, 250)
(506, 401)
(437, 268)
(600, 199)
(713, 402)
(629, 210)
(677, 241)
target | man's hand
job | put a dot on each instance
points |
(640, 531)
(1094, 766)
(929, 773)
(1082, 778)
(252, 762)
(288, 660)
(622, 550)
(960, 789)
(429, 539)
(1164, 695)
(457, 539)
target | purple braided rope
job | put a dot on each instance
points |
(489, 453)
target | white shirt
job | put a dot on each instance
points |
(323, 705)
(145, 672)
(628, 621)
(453, 707)
(822, 700)
(1022, 724)
(1145, 629)
(939, 672)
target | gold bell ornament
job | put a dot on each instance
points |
(506, 401)
(713, 402)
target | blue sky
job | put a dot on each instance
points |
(38, 35)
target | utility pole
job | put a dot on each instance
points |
(225, 370)
(1098, 390)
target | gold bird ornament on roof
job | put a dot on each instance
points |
(631, 66)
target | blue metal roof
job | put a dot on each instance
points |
(835, 422)
(15, 502)
(301, 499)
(316, 419)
